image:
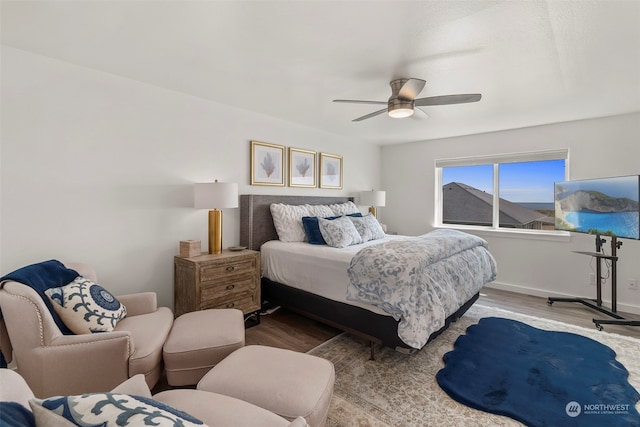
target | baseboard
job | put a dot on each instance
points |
(624, 308)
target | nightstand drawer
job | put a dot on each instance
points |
(229, 287)
(246, 303)
(216, 272)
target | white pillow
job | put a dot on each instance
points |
(288, 221)
(321, 211)
(86, 307)
(344, 208)
(339, 232)
(368, 227)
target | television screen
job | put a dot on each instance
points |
(607, 206)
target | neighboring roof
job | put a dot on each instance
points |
(463, 203)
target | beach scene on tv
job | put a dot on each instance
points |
(606, 206)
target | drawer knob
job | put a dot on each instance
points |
(230, 268)
(231, 304)
(229, 287)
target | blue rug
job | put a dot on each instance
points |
(537, 377)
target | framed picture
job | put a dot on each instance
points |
(302, 168)
(267, 164)
(330, 171)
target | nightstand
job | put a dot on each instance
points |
(230, 279)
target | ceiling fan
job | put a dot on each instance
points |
(403, 99)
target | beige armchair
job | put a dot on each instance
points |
(56, 364)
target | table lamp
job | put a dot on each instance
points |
(374, 199)
(215, 196)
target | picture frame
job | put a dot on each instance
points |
(330, 171)
(302, 168)
(267, 164)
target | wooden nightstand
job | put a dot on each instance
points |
(230, 279)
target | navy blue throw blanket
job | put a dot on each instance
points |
(537, 377)
(42, 276)
(13, 414)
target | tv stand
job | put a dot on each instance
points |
(596, 304)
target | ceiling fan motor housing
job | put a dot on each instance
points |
(399, 108)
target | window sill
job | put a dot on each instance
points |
(513, 233)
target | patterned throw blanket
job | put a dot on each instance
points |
(421, 280)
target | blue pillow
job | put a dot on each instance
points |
(312, 229)
(13, 414)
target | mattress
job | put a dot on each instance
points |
(319, 269)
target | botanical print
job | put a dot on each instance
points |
(330, 171)
(302, 168)
(267, 164)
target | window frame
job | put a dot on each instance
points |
(496, 160)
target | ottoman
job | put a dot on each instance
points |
(198, 341)
(285, 382)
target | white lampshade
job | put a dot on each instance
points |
(373, 198)
(215, 195)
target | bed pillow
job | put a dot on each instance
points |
(321, 211)
(344, 208)
(101, 409)
(339, 232)
(312, 229)
(288, 221)
(368, 227)
(86, 307)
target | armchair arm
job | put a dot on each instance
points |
(141, 303)
(74, 364)
(14, 388)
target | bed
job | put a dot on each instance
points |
(312, 279)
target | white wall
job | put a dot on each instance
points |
(99, 169)
(597, 148)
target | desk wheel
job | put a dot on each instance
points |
(598, 326)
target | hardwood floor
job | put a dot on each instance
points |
(285, 329)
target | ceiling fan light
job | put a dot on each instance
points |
(400, 112)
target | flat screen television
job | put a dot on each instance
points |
(601, 206)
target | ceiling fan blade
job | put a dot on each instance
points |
(448, 99)
(368, 116)
(411, 88)
(423, 112)
(356, 101)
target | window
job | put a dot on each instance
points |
(504, 191)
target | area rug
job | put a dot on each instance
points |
(399, 390)
(538, 377)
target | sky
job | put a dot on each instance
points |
(526, 182)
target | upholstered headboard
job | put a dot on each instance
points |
(256, 224)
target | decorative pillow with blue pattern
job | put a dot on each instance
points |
(339, 232)
(109, 409)
(368, 227)
(86, 307)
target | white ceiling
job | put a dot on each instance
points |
(535, 62)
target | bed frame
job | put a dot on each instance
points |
(256, 228)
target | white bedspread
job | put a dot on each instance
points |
(318, 269)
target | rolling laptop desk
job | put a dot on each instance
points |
(596, 304)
